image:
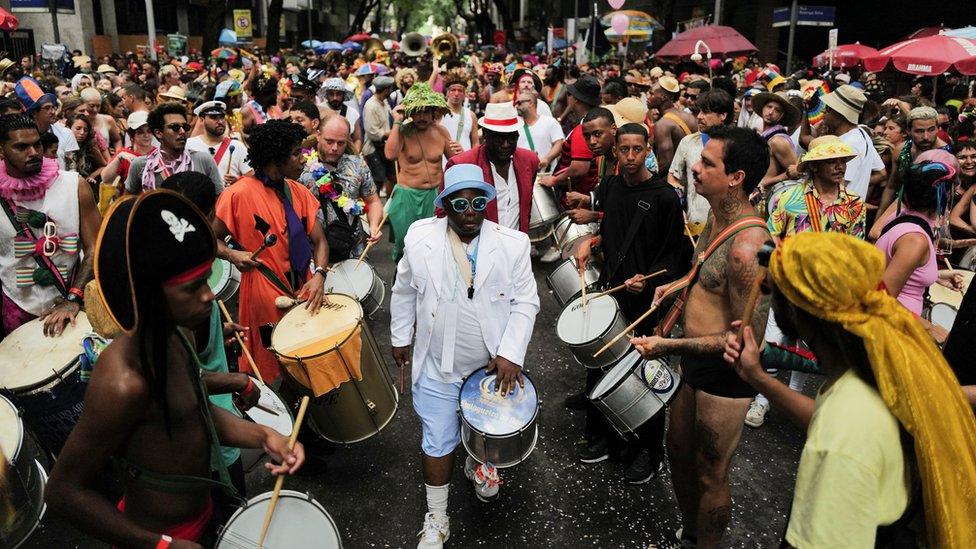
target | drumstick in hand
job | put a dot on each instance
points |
(751, 300)
(952, 272)
(622, 286)
(626, 330)
(269, 514)
(582, 275)
(247, 353)
(370, 245)
(694, 243)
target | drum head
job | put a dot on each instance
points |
(300, 335)
(489, 413)
(298, 521)
(346, 277)
(615, 375)
(29, 358)
(11, 430)
(940, 294)
(576, 326)
(219, 275)
(943, 315)
(280, 420)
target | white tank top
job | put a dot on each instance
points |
(60, 205)
(451, 121)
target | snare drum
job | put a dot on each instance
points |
(585, 332)
(545, 212)
(940, 294)
(224, 279)
(634, 391)
(358, 279)
(279, 418)
(943, 314)
(333, 358)
(564, 280)
(41, 375)
(569, 235)
(24, 480)
(497, 430)
(298, 521)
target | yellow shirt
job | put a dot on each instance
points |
(851, 477)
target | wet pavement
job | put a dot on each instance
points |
(374, 490)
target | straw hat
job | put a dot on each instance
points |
(826, 147)
(629, 110)
(106, 69)
(669, 83)
(175, 93)
(791, 115)
(5, 64)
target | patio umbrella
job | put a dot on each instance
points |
(641, 25)
(360, 37)
(722, 41)
(326, 47)
(929, 56)
(845, 56)
(311, 44)
(8, 21)
(223, 53)
(350, 45)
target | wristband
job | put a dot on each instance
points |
(78, 292)
(249, 388)
(164, 542)
(593, 241)
(599, 215)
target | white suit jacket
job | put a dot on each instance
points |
(504, 288)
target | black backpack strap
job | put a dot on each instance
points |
(909, 218)
(643, 207)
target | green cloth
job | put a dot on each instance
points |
(406, 206)
(421, 96)
(213, 359)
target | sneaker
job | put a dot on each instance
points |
(486, 482)
(577, 401)
(593, 453)
(756, 415)
(435, 532)
(551, 255)
(534, 252)
(641, 470)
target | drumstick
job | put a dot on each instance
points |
(625, 330)
(269, 240)
(285, 302)
(622, 286)
(582, 275)
(247, 353)
(230, 155)
(694, 243)
(281, 477)
(370, 245)
(952, 272)
(751, 300)
(263, 408)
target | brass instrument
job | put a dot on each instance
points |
(445, 45)
(413, 44)
(373, 48)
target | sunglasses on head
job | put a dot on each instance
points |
(460, 205)
(177, 127)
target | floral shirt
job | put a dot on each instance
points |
(789, 214)
(347, 185)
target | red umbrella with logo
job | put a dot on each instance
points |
(720, 41)
(8, 21)
(845, 56)
(928, 56)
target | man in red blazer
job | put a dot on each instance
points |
(509, 169)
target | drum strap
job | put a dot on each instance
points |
(685, 283)
(642, 209)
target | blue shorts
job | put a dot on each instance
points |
(437, 404)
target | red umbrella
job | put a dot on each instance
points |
(929, 56)
(361, 37)
(848, 55)
(8, 21)
(722, 41)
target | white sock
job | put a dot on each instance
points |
(437, 499)
(760, 399)
(797, 379)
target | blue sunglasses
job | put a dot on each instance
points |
(460, 205)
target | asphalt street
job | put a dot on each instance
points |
(374, 491)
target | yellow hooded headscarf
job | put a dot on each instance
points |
(837, 278)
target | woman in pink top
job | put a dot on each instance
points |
(907, 240)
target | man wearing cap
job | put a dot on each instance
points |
(842, 114)
(230, 155)
(339, 99)
(779, 117)
(460, 122)
(43, 109)
(169, 126)
(464, 298)
(674, 123)
(376, 125)
(509, 168)
(577, 169)
(146, 410)
(419, 145)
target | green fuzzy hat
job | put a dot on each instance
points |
(421, 96)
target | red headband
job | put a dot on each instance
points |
(191, 274)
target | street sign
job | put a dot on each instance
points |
(832, 39)
(807, 16)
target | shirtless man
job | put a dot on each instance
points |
(419, 145)
(779, 117)
(144, 409)
(708, 412)
(674, 123)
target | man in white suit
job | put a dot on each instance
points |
(464, 297)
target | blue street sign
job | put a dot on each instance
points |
(807, 16)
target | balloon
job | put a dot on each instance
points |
(616, 4)
(620, 23)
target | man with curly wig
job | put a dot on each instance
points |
(272, 202)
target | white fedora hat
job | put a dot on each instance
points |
(501, 117)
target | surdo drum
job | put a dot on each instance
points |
(634, 391)
(586, 330)
(299, 521)
(499, 430)
(224, 279)
(358, 279)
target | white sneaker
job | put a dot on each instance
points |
(552, 254)
(484, 477)
(436, 531)
(756, 415)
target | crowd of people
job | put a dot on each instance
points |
(800, 221)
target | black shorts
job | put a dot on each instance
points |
(711, 374)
